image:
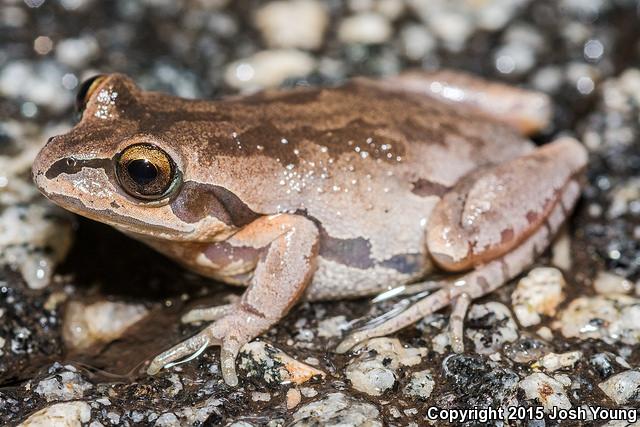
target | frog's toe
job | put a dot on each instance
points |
(228, 353)
(456, 322)
(230, 331)
(189, 348)
(208, 314)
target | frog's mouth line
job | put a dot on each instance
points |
(113, 219)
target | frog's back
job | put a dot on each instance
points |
(362, 161)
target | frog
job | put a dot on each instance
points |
(425, 183)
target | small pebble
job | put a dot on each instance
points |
(263, 361)
(546, 390)
(420, 385)
(336, 410)
(293, 398)
(553, 361)
(374, 370)
(611, 318)
(292, 23)
(609, 283)
(623, 388)
(66, 385)
(490, 326)
(103, 321)
(268, 68)
(365, 28)
(68, 414)
(538, 294)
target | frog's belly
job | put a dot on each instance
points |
(366, 251)
(333, 280)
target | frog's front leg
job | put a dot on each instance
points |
(287, 246)
(496, 222)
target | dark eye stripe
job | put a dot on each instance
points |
(70, 166)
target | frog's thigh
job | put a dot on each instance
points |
(289, 246)
(491, 211)
(527, 111)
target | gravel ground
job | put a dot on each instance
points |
(79, 316)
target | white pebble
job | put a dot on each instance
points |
(497, 329)
(610, 283)
(417, 42)
(68, 414)
(292, 24)
(66, 385)
(546, 390)
(374, 371)
(623, 388)
(553, 361)
(365, 28)
(77, 52)
(103, 321)
(611, 318)
(538, 294)
(268, 68)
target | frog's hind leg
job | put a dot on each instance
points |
(475, 284)
(495, 222)
(528, 111)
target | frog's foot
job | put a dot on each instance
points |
(230, 332)
(478, 225)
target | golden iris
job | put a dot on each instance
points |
(146, 171)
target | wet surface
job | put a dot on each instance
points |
(582, 53)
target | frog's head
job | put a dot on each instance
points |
(121, 165)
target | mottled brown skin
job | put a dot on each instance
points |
(322, 193)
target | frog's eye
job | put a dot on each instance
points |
(146, 172)
(86, 90)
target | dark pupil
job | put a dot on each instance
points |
(142, 171)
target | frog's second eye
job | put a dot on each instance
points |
(86, 90)
(146, 172)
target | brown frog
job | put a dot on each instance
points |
(321, 193)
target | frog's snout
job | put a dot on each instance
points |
(42, 166)
(39, 167)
